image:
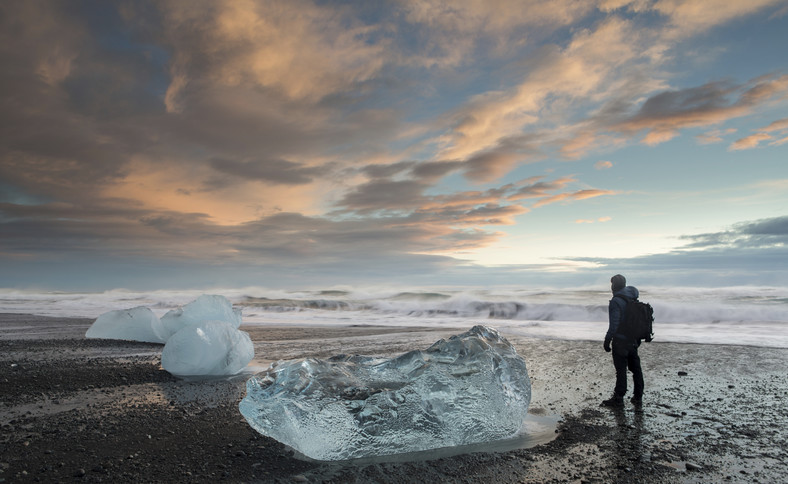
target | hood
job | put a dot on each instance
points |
(629, 291)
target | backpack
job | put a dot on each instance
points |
(637, 320)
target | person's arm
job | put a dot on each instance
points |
(614, 315)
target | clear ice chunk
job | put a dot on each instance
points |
(135, 324)
(469, 389)
(207, 307)
(209, 348)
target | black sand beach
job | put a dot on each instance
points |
(77, 410)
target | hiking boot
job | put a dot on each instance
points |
(614, 401)
(636, 400)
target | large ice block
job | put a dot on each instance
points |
(135, 324)
(207, 307)
(209, 348)
(469, 389)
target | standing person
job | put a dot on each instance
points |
(624, 348)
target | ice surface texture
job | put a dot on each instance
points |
(205, 308)
(140, 324)
(135, 324)
(469, 389)
(209, 348)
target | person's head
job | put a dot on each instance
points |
(617, 282)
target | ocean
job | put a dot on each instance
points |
(754, 316)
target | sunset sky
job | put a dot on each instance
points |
(186, 143)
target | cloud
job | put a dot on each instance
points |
(405, 202)
(251, 132)
(533, 188)
(689, 17)
(388, 170)
(616, 62)
(580, 70)
(757, 234)
(590, 221)
(95, 119)
(490, 165)
(714, 136)
(779, 142)
(273, 171)
(300, 49)
(749, 142)
(573, 196)
(779, 125)
(658, 136)
(433, 171)
(603, 165)
(450, 31)
(381, 218)
(664, 114)
(385, 195)
(754, 140)
(752, 252)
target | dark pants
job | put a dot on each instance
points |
(625, 356)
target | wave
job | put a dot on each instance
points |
(431, 305)
(743, 315)
(281, 305)
(671, 305)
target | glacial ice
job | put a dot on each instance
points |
(207, 307)
(201, 338)
(208, 348)
(469, 389)
(135, 324)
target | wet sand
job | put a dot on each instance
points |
(77, 410)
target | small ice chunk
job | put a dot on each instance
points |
(209, 348)
(469, 389)
(135, 324)
(205, 308)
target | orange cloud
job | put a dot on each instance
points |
(714, 136)
(570, 197)
(688, 17)
(590, 221)
(779, 142)
(749, 142)
(582, 69)
(178, 187)
(298, 48)
(779, 125)
(540, 189)
(658, 136)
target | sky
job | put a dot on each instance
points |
(294, 144)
